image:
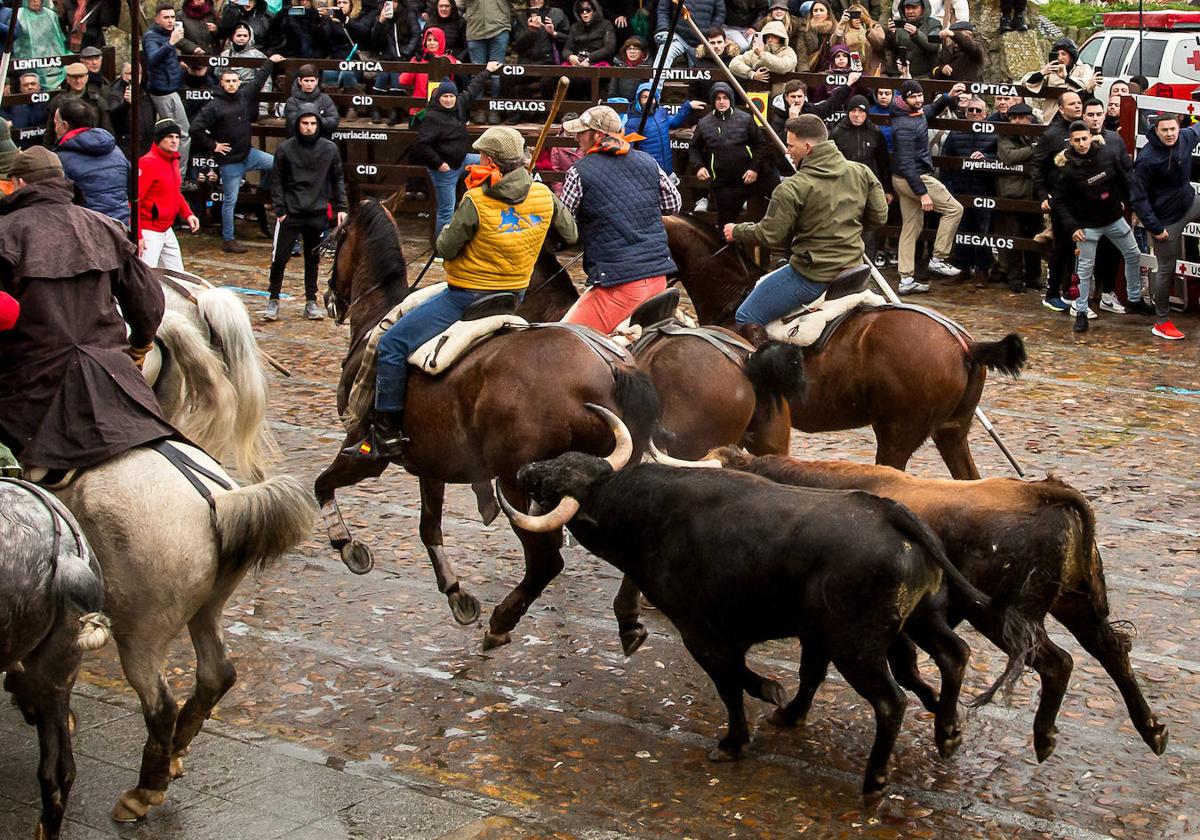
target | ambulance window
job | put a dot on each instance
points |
(1150, 52)
(1114, 56)
(1091, 50)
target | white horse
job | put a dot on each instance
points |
(170, 558)
(210, 380)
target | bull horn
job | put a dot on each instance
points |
(624, 448)
(544, 523)
(663, 458)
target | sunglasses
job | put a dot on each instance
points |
(976, 110)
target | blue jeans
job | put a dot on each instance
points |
(339, 78)
(387, 82)
(778, 293)
(231, 185)
(677, 47)
(490, 49)
(409, 333)
(1119, 234)
(445, 185)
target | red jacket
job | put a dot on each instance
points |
(420, 81)
(159, 198)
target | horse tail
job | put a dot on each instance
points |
(1006, 355)
(78, 584)
(776, 370)
(638, 405)
(260, 523)
(200, 401)
(248, 437)
(1018, 632)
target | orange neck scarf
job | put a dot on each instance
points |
(478, 175)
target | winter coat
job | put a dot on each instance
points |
(454, 28)
(813, 45)
(322, 106)
(119, 112)
(782, 60)
(922, 47)
(442, 133)
(867, 40)
(1041, 167)
(106, 13)
(831, 110)
(197, 91)
(705, 14)
(819, 214)
(969, 181)
(795, 26)
(965, 56)
(307, 175)
(159, 198)
(486, 18)
(344, 35)
(864, 144)
(596, 41)
(91, 159)
(196, 32)
(728, 144)
(258, 19)
(299, 35)
(1080, 77)
(69, 395)
(1089, 191)
(701, 89)
(229, 119)
(658, 127)
(163, 73)
(398, 39)
(1162, 179)
(251, 50)
(534, 46)
(1014, 150)
(910, 141)
(418, 83)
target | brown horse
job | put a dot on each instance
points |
(898, 371)
(519, 397)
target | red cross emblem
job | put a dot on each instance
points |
(1191, 108)
(1194, 60)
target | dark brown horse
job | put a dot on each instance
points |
(521, 396)
(900, 372)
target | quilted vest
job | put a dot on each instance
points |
(501, 255)
(620, 223)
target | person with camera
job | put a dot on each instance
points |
(164, 74)
(252, 13)
(1063, 70)
(863, 37)
(769, 54)
(705, 14)
(396, 35)
(539, 35)
(299, 31)
(912, 39)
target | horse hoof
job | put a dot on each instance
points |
(781, 719)
(720, 754)
(1043, 745)
(632, 639)
(949, 745)
(176, 767)
(872, 798)
(774, 694)
(463, 606)
(1156, 736)
(495, 640)
(357, 557)
(134, 803)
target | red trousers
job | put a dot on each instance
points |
(603, 308)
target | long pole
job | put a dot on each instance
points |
(662, 62)
(560, 94)
(134, 110)
(891, 295)
(9, 37)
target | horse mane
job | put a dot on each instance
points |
(384, 261)
(710, 288)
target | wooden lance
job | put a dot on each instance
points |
(560, 94)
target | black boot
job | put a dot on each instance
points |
(396, 117)
(384, 439)
(377, 115)
(1081, 324)
(1019, 23)
(1006, 25)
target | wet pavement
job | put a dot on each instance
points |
(362, 710)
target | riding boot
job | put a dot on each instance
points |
(384, 439)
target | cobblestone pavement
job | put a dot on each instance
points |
(362, 710)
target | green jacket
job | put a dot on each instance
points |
(819, 214)
(512, 188)
(486, 18)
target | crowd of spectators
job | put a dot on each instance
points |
(763, 42)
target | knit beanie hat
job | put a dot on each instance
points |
(446, 86)
(8, 150)
(909, 87)
(857, 101)
(37, 164)
(165, 128)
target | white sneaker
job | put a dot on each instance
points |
(701, 206)
(908, 286)
(1109, 303)
(438, 261)
(939, 266)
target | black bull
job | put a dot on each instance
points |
(733, 560)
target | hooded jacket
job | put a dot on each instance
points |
(910, 140)
(91, 159)
(419, 82)
(864, 144)
(780, 60)
(658, 127)
(454, 28)
(1080, 77)
(164, 74)
(326, 111)
(1162, 179)
(819, 214)
(229, 119)
(251, 50)
(728, 144)
(705, 14)
(442, 133)
(534, 45)
(596, 41)
(1090, 190)
(307, 176)
(258, 19)
(921, 49)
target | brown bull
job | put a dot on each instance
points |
(1028, 544)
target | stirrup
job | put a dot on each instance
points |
(377, 446)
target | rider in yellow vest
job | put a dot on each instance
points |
(489, 246)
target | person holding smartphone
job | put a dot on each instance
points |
(863, 37)
(961, 58)
(164, 75)
(1062, 70)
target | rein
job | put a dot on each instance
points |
(546, 282)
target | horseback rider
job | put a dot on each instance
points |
(819, 214)
(71, 395)
(619, 195)
(489, 246)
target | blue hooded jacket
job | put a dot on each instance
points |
(658, 127)
(1162, 191)
(100, 171)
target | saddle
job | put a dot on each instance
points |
(806, 326)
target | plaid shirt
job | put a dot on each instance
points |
(669, 200)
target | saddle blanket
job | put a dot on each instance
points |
(434, 357)
(804, 326)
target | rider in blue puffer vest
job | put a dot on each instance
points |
(657, 133)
